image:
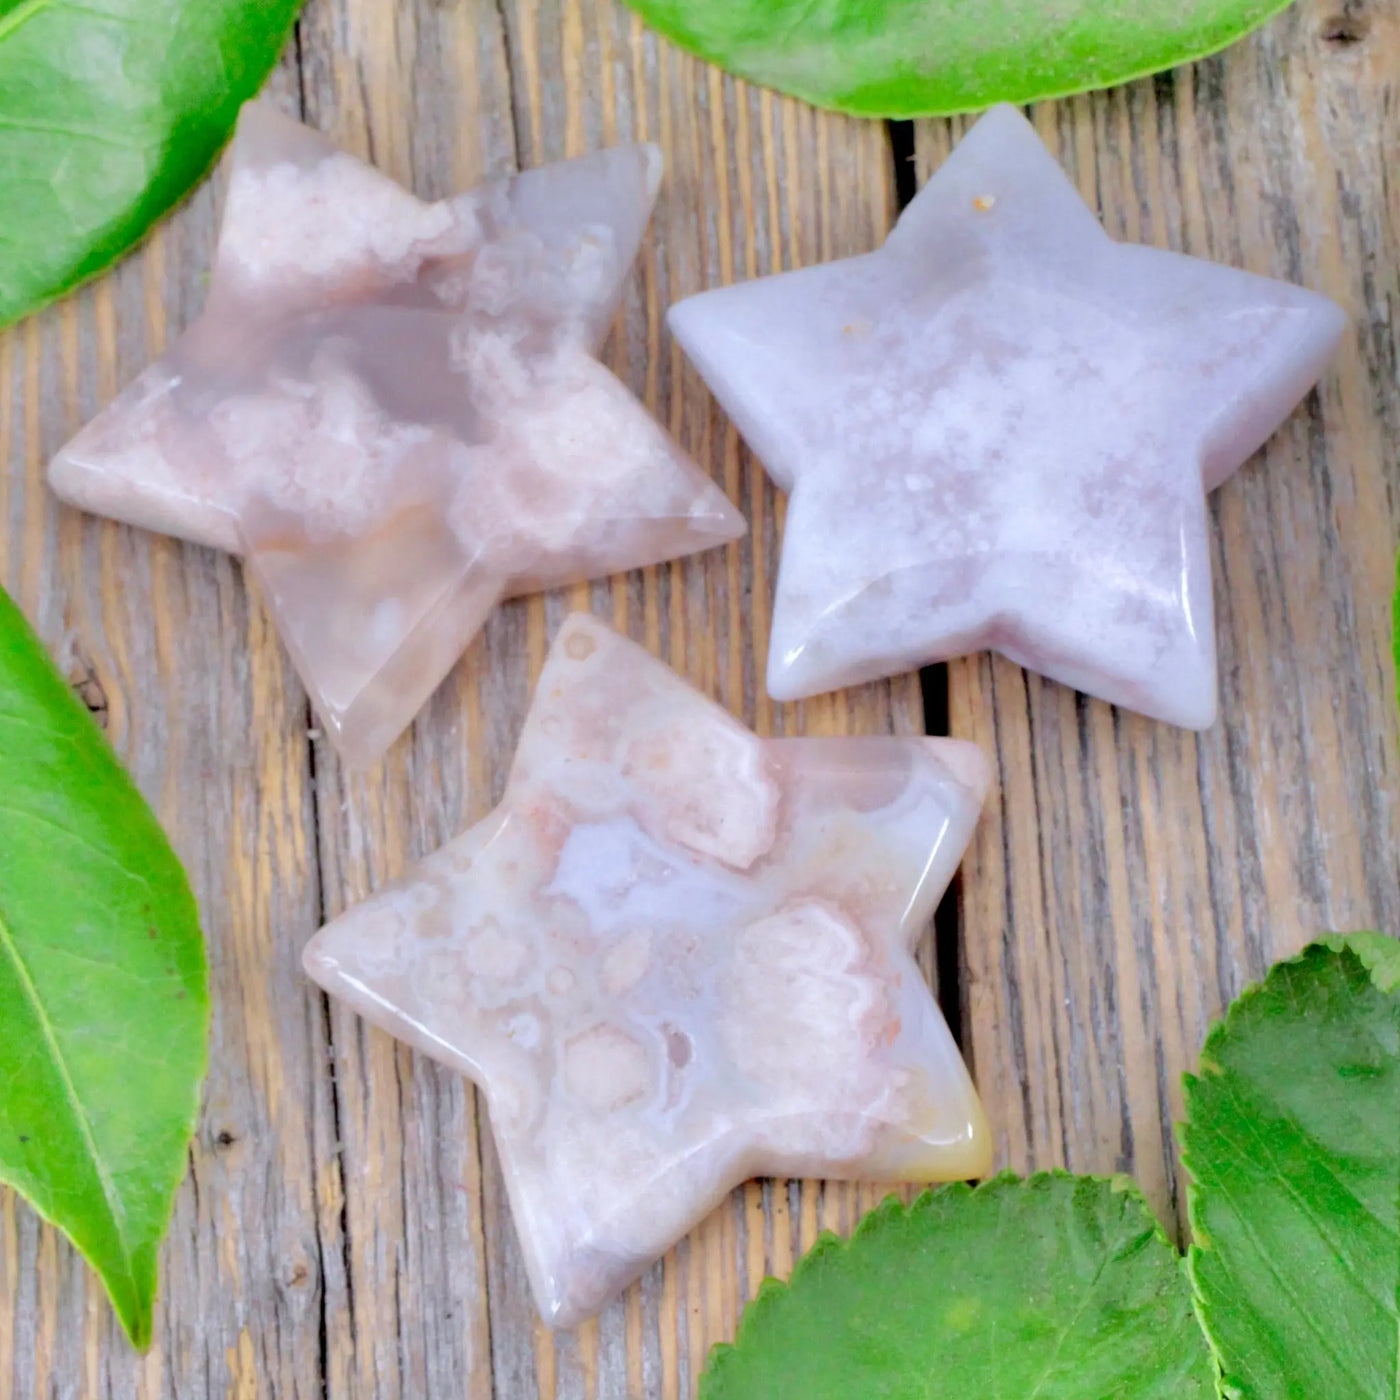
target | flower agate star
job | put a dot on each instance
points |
(677, 956)
(999, 432)
(392, 409)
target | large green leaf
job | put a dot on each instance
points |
(104, 1003)
(903, 58)
(1293, 1140)
(1056, 1288)
(110, 111)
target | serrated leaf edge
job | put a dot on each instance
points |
(893, 1208)
(1364, 944)
(1337, 945)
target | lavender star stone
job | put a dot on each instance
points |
(393, 411)
(999, 431)
(677, 956)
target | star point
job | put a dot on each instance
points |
(677, 956)
(998, 432)
(392, 409)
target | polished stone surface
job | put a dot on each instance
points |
(999, 431)
(392, 409)
(677, 956)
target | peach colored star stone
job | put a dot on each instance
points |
(677, 956)
(393, 411)
(999, 431)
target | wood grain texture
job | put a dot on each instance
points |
(202, 705)
(343, 1230)
(1130, 879)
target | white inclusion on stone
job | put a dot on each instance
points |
(707, 1023)
(386, 624)
(524, 1030)
(800, 1021)
(360, 446)
(622, 879)
(997, 431)
(320, 448)
(626, 962)
(1004, 514)
(591, 264)
(496, 955)
(98, 468)
(706, 778)
(605, 1068)
(287, 223)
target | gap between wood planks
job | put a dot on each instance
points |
(947, 931)
(318, 874)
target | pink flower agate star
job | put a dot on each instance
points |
(393, 411)
(677, 956)
(999, 430)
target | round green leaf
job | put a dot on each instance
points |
(110, 112)
(1056, 1288)
(104, 1004)
(909, 58)
(1293, 1140)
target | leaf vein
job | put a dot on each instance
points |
(25, 814)
(31, 993)
(78, 133)
(20, 15)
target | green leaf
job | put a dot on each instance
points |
(909, 58)
(110, 112)
(1293, 1140)
(1379, 952)
(1056, 1288)
(104, 1004)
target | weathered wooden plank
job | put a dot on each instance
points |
(1132, 878)
(580, 80)
(202, 705)
(754, 184)
(421, 89)
(352, 1233)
